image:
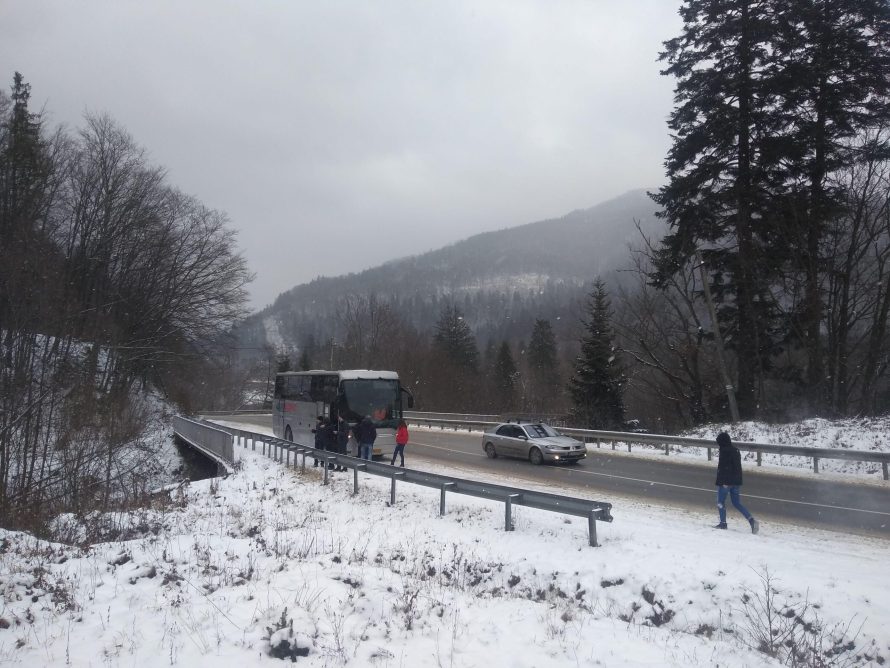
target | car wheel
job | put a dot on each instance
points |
(288, 435)
(490, 451)
(536, 457)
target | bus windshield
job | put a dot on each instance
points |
(377, 398)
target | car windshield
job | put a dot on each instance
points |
(540, 431)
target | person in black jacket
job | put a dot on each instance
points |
(324, 437)
(729, 481)
(342, 439)
(365, 433)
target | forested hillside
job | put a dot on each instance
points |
(113, 285)
(766, 294)
(501, 281)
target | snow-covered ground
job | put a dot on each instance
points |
(264, 563)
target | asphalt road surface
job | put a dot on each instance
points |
(799, 498)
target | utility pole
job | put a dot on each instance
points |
(718, 338)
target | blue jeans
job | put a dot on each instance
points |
(365, 450)
(735, 497)
(399, 451)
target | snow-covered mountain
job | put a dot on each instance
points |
(537, 270)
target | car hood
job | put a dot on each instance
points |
(558, 441)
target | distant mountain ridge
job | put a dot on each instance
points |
(539, 269)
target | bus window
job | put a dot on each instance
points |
(293, 387)
(280, 387)
(378, 399)
(329, 393)
(303, 389)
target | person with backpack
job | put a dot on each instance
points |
(729, 481)
(401, 442)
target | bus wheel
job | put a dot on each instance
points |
(490, 451)
(288, 435)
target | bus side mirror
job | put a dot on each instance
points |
(410, 401)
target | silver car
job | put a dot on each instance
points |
(536, 442)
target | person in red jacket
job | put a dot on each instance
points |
(401, 442)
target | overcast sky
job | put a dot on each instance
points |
(338, 135)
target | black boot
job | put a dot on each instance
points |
(722, 525)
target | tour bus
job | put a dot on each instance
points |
(301, 396)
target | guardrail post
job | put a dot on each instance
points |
(884, 467)
(597, 444)
(445, 486)
(392, 489)
(628, 446)
(508, 508)
(815, 465)
(363, 467)
(591, 528)
(667, 449)
(252, 443)
(325, 465)
(710, 454)
(303, 465)
(613, 445)
(759, 458)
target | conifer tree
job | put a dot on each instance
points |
(768, 96)
(505, 377)
(597, 385)
(543, 366)
(718, 165)
(454, 339)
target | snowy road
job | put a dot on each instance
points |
(800, 498)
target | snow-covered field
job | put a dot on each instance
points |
(267, 562)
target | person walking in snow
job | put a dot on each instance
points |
(729, 481)
(401, 442)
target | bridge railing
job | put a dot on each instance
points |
(630, 439)
(281, 451)
(212, 440)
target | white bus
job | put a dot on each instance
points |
(301, 396)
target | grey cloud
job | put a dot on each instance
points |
(337, 135)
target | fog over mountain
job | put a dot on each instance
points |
(501, 280)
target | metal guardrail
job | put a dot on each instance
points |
(212, 440)
(661, 441)
(281, 450)
(431, 415)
